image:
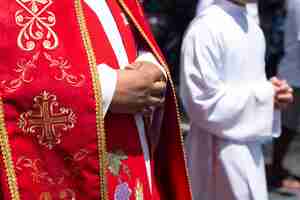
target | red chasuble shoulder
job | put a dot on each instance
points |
(55, 143)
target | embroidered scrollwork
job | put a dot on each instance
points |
(25, 69)
(65, 194)
(63, 65)
(41, 176)
(38, 175)
(36, 23)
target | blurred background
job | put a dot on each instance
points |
(169, 20)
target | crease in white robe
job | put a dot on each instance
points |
(230, 104)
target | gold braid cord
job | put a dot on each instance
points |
(103, 162)
(239, 2)
(7, 157)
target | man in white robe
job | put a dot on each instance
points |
(252, 8)
(231, 104)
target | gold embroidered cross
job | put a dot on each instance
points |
(47, 121)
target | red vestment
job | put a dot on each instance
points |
(55, 142)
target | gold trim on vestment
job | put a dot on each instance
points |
(163, 63)
(7, 157)
(239, 2)
(101, 137)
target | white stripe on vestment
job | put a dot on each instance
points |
(112, 32)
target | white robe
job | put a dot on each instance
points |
(230, 104)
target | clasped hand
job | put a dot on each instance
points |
(139, 86)
(283, 93)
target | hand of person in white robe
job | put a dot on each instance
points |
(139, 86)
(283, 93)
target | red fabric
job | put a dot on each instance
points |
(41, 55)
(124, 136)
(168, 163)
(72, 165)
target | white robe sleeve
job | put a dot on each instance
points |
(241, 112)
(108, 81)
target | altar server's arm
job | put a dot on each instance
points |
(241, 112)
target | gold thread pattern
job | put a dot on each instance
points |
(139, 191)
(7, 157)
(38, 170)
(62, 195)
(47, 121)
(36, 22)
(161, 60)
(24, 69)
(102, 153)
(63, 65)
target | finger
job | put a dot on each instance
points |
(285, 98)
(130, 67)
(275, 80)
(156, 102)
(155, 72)
(147, 111)
(135, 65)
(158, 89)
(284, 88)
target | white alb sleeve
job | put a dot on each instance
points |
(108, 81)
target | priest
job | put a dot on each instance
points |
(87, 107)
(232, 106)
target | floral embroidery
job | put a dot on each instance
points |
(45, 196)
(40, 176)
(115, 162)
(122, 192)
(65, 194)
(48, 120)
(72, 159)
(24, 69)
(63, 65)
(36, 22)
(37, 173)
(139, 194)
(80, 155)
